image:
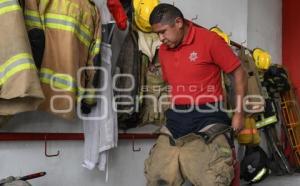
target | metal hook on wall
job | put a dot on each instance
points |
(46, 148)
(244, 42)
(133, 146)
(195, 18)
(216, 26)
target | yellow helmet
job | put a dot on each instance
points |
(262, 58)
(221, 33)
(142, 11)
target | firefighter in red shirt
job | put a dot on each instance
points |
(192, 59)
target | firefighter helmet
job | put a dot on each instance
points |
(221, 33)
(262, 58)
(254, 166)
(142, 11)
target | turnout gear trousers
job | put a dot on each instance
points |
(20, 88)
(189, 157)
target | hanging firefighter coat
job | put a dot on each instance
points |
(71, 32)
(254, 103)
(154, 93)
(128, 69)
(20, 88)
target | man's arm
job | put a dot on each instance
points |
(240, 86)
(224, 57)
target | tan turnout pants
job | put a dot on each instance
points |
(171, 162)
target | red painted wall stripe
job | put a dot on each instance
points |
(291, 41)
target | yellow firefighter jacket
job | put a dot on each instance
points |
(20, 88)
(71, 32)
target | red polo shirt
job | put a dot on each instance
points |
(193, 69)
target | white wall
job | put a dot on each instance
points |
(229, 15)
(126, 167)
(265, 31)
(265, 27)
(22, 158)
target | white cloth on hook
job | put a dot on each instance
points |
(101, 134)
(148, 43)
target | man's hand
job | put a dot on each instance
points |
(240, 87)
(237, 122)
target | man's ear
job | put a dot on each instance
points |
(179, 22)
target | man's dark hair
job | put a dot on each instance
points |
(165, 14)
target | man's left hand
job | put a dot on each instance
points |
(237, 122)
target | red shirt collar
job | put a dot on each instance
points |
(188, 39)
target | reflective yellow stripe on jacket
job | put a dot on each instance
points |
(15, 64)
(60, 22)
(59, 81)
(8, 6)
(32, 19)
(96, 47)
(94, 50)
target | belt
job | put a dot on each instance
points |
(208, 134)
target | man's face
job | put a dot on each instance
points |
(169, 34)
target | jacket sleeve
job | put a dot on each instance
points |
(92, 73)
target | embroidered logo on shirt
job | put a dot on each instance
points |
(193, 56)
